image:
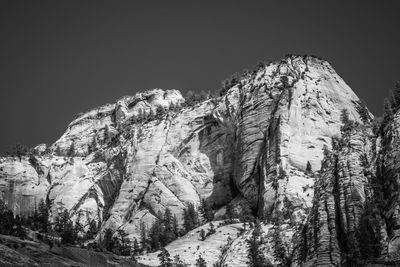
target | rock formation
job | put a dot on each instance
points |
(121, 164)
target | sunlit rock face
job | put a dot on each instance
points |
(21, 185)
(288, 111)
(121, 164)
(129, 161)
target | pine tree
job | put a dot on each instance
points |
(193, 214)
(19, 150)
(200, 262)
(327, 157)
(160, 217)
(43, 216)
(65, 228)
(326, 151)
(19, 229)
(106, 134)
(202, 235)
(35, 219)
(6, 222)
(168, 233)
(71, 150)
(154, 235)
(363, 112)
(133, 258)
(254, 252)
(164, 257)
(388, 112)
(285, 82)
(212, 229)
(3, 209)
(92, 231)
(347, 124)
(230, 213)
(369, 232)
(108, 240)
(206, 211)
(279, 249)
(337, 143)
(57, 151)
(143, 236)
(93, 145)
(136, 247)
(167, 217)
(308, 168)
(124, 244)
(175, 226)
(152, 115)
(246, 214)
(191, 218)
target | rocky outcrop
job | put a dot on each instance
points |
(288, 111)
(121, 164)
(343, 226)
(22, 184)
(388, 174)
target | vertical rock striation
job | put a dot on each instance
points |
(121, 164)
(388, 173)
(335, 234)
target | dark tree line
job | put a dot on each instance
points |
(10, 224)
(241, 213)
(255, 253)
(39, 222)
(18, 225)
(235, 79)
(116, 242)
(192, 98)
(163, 231)
(66, 228)
(20, 150)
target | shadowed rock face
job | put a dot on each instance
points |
(389, 163)
(151, 151)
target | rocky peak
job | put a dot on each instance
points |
(287, 111)
(260, 144)
(90, 127)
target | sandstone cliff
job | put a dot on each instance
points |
(120, 164)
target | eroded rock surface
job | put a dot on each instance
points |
(121, 164)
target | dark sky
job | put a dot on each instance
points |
(59, 58)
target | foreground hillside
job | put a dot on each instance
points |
(277, 144)
(17, 252)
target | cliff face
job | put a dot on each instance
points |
(355, 216)
(343, 225)
(388, 175)
(288, 112)
(121, 164)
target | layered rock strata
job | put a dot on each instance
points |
(121, 164)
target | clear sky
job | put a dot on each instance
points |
(59, 58)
